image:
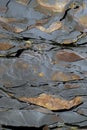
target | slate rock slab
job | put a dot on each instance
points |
(27, 118)
(72, 118)
(34, 32)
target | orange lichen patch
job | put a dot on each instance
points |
(24, 2)
(18, 30)
(62, 76)
(52, 103)
(59, 6)
(10, 28)
(69, 41)
(5, 46)
(22, 65)
(83, 21)
(12, 20)
(42, 21)
(71, 86)
(53, 27)
(68, 56)
(38, 23)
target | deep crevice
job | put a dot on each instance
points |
(64, 16)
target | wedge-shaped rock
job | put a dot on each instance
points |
(52, 103)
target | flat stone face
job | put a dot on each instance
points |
(43, 50)
(27, 118)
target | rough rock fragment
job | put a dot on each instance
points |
(52, 103)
